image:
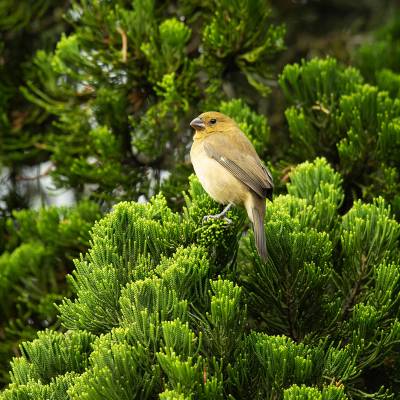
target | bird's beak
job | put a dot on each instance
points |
(198, 124)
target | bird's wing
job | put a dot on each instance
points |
(241, 160)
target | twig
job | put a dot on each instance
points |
(320, 107)
(351, 298)
(124, 49)
(286, 171)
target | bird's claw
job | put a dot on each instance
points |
(207, 218)
(221, 215)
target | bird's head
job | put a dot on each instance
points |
(211, 122)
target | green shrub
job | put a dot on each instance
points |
(355, 125)
(118, 92)
(39, 251)
(165, 318)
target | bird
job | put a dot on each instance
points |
(230, 170)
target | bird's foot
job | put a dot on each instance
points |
(227, 220)
(220, 215)
(207, 218)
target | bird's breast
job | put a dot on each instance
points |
(217, 181)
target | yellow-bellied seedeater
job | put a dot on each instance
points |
(230, 170)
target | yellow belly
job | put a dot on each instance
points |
(218, 182)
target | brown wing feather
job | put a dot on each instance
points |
(241, 160)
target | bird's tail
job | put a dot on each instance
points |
(256, 212)
(259, 233)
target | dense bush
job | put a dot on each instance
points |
(159, 309)
(39, 249)
(109, 109)
(161, 305)
(116, 100)
(355, 125)
(25, 27)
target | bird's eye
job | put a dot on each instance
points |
(213, 121)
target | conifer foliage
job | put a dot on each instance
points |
(121, 89)
(155, 315)
(161, 305)
(355, 125)
(36, 257)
